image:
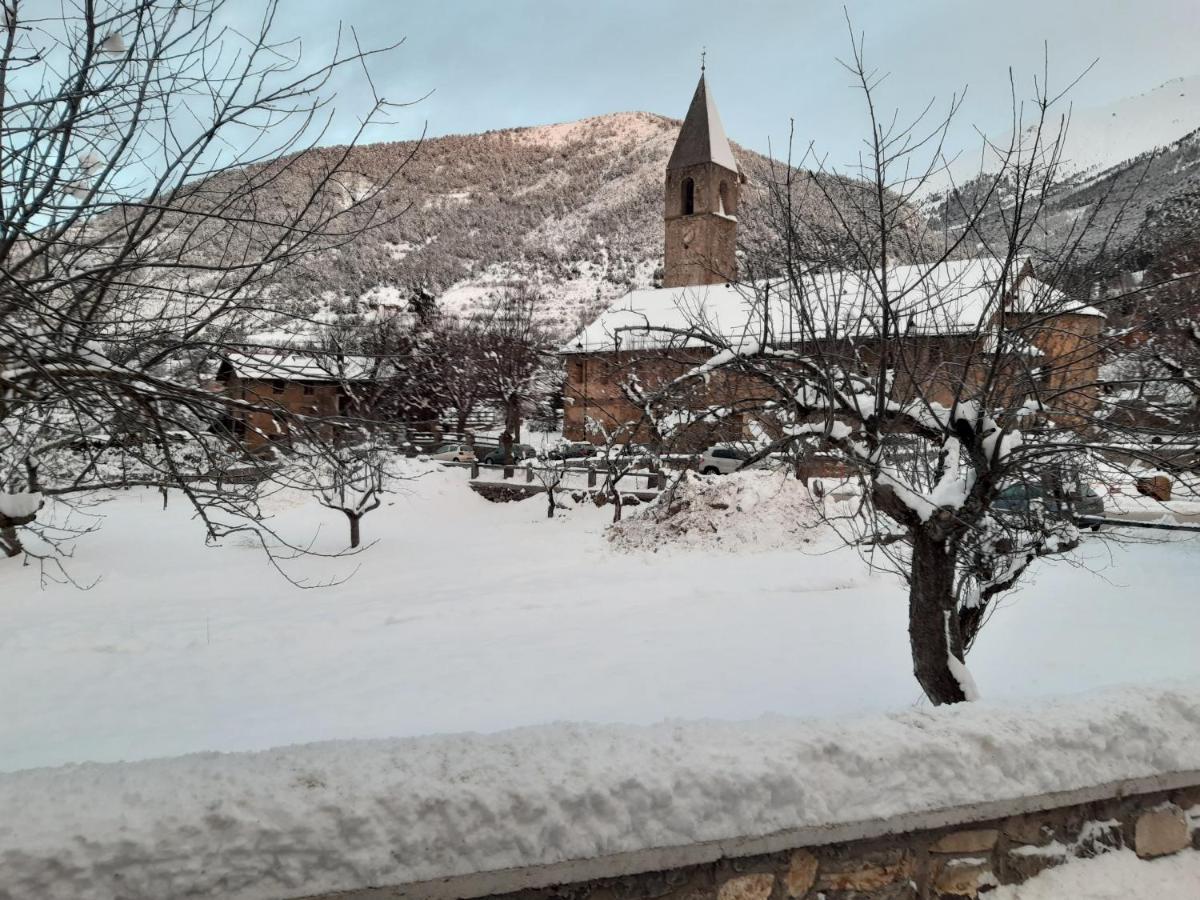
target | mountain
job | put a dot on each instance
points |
(1130, 172)
(1101, 137)
(573, 209)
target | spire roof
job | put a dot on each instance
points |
(702, 137)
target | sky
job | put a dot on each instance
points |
(504, 63)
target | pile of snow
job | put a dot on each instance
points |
(752, 510)
(351, 814)
(1119, 875)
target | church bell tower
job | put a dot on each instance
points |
(703, 180)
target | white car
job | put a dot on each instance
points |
(721, 459)
(453, 453)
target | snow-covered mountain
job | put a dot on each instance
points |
(1101, 137)
(574, 208)
(1130, 171)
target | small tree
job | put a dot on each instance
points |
(351, 480)
(515, 354)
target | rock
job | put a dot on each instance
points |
(801, 874)
(1023, 863)
(747, 887)
(1028, 830)
(869, 873)
(963, 878)
(1099, 837)
(979, 840)
(1160, 831)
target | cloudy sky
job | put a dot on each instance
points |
(503, 63)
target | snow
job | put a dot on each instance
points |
(1117, 875)
(966, 683)
(300, 366)
(343, 815)
(20, 504)
(955, 297)
(756, 511)
(1102, 136)
(465, 615)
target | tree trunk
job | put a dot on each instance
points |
(10, 541)
(512, 418)
(932, 623)
(354, 529)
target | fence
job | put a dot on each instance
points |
(528, 478)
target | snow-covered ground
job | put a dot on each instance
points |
(471, 616)
(341, 815)
(1119, 875)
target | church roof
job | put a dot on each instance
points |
(957, 297)
(702, 137)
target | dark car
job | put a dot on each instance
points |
(495, 456)
(579, 450)
(1019, 498)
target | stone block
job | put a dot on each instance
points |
(1160, 831)
(962, 878)
(1028, 830)
(1099, 837)
(801, 874)
(1023, 863)
(747, 887)
(977, 840)
(869, 872)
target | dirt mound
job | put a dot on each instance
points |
(745, 511)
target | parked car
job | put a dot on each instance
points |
(721, 459)
(453, 453)
(520, 452)
(576, 450)
(1019, 498)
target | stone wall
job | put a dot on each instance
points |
(964, 860)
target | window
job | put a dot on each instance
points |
(309, 390)
(277, 386)
(689, 196)
(725, 198)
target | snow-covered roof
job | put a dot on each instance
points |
(702, 137)
(956, 297)
(292, 366)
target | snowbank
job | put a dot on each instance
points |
(752, 510)
(1118, 875)
(336, 816)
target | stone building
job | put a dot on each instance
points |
(302, 384)
(701, 200)
(955, 316)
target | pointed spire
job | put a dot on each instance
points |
(702, 137)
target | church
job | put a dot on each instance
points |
(651, 335)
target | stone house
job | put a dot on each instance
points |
(956, 316)
(325, 386)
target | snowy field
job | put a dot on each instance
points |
(471, 616)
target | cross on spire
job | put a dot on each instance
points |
(703, 54)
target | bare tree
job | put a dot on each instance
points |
(515, 354)
(352, 479)
(946, 371)
(152, 189)
(457, 377)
